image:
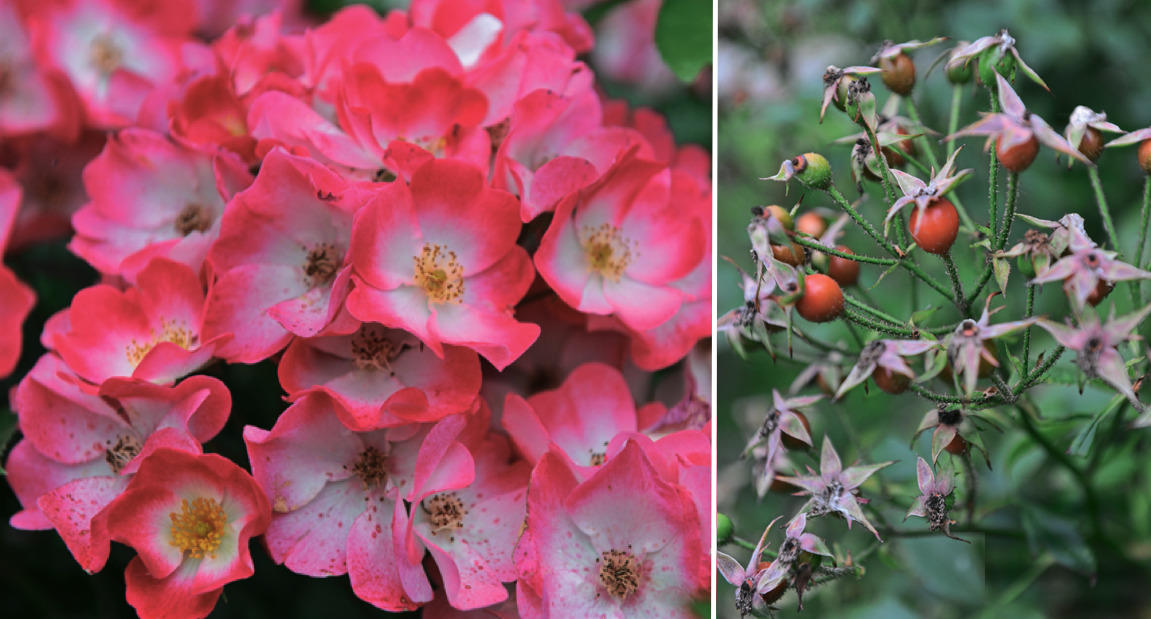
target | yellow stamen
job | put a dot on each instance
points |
(608, 252)
(199, 527)
(439, 273)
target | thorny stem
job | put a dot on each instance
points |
(811, 243)
(874, 234)
(864, 321)
(1026, 410)
(972, 487)
(888, 191)
(1027, 329)
(1004, 395)
(833, 191)
(1143, 221)
(856, 303)
(1009, 212)
(953, 273)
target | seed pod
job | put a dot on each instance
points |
(898, 73)
(813, 169)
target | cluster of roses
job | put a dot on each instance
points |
(368, 202)
(801, 268)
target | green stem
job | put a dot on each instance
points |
(950, 399)
(833, 191)
(856, 303)
(1143, 221)
(1009, 211)
(888, 191)
(1101, 200)
(875, 325)
(1027, 330)
(1039, 372)
(811, 243)
(953, 273)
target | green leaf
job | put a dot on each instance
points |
(921, 316)
(1048, 532)
(683, 36)
(1081, 446)
(1002, 270)
(8, 425)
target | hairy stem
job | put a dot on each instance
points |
(953, 273)
(1027, 330)
(889, 192)
(1143, 222)
(1009, 211)
(860, 305)
(874, 325)
(811, 243)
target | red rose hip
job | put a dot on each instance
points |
(822, 299)
(844, 271)
(935, 228)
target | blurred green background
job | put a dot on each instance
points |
(39, 578)
(772, 55)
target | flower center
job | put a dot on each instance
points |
(608, 252)
(373, 349)
(104, 54)
(936, 509)
(789, 551)
(119, 455)
(1091, 260)
(321, 263)
(969, 328)
(439, 273)
(199, 527)
(194, 218)
(597, 458)
(619, 572)
(1094, 345)
(370, 467)
(445, 512)
(950, 417)
(170, 331)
